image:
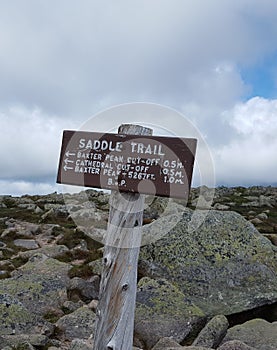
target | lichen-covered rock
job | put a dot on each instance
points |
(213, 333)
(14, 340)
(80, 344)
(257, 333)
(224, 266)
(236, 345)
(79, 324)
(86, 289)
(21, 228)
(162, 311)
(52, 251)
(166, 343)
(16, 318)
(39, 284)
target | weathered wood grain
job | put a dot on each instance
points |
(115, 313)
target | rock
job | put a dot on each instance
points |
(58, 210)
(162, 311)
(262, 216)
(201, 203)
(33, 339)
(38, 210)
(236, 345)
(191, 348)
(257, 333)
(164, 343)
(21, 228)
(266, 201)
(27, 206)
(86, 289)
(50, 213)
(79, 324)
(272, 238)
(223, 267)
(256, 221)
(219, 206)
(16, 318)
(70, 306)
(39, 284)
(213, 333)
(26, 243)
(80, 344)
(97, 266)
(50, 251)
(93, 305)
(86, 218)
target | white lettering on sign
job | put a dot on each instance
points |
(127, 167)
(147, 149)
(102, 145)
(122, 160)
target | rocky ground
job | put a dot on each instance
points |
(207, 278)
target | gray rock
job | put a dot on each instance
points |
(267, 201)
(27, 206)
(40, 284)
(166, 343)
(51, 251)
(213, 333)
(80, 344)
(33, 339)
(97, 266)
(58, 210)
(38, 210)
(262, 216)
(236, 345)
(272, 238)
(256, 221)
(22, 228)
(224, 266)
(16, 318)
(162, 311)
(26, 243)
(86, 289)
(192, 348)
(79, 324)
(257, 333)
(219, 206)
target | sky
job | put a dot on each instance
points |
(64, 61)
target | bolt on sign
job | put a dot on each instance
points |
(154, 165)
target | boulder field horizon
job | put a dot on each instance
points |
(207, 273)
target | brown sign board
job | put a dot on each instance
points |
(154, 165)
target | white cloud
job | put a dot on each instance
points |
(69, 59)
(19, 188)
(250, 157)
(30, 143)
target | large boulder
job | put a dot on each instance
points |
(39, 285)
(162, 311)
(79, 324)
(213, 333)
(16, 318)
(218, 259)
(256, 333)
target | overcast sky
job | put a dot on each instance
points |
(62, 61)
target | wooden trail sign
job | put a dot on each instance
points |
(146, 164)
(131, 163)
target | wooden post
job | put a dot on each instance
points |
(116, 308)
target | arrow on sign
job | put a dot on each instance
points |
(67, 168)
(68, 161)
(68, 154)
